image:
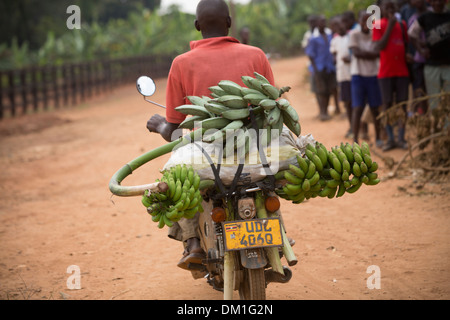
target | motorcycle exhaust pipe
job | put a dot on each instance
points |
(273, 276)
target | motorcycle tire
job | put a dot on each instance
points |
(253, 286)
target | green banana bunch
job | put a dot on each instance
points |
(181, 200)
(230, 105)
(329, 173)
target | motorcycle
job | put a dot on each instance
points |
(241, 228)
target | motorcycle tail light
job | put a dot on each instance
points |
(272, 204)
(218, 214)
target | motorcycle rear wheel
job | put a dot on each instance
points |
(253, 286)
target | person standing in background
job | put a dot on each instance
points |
(339, 48)
(435, 49)
(364, 71)
(322, 62)
(390, 40)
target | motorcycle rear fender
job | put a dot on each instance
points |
(253, 258)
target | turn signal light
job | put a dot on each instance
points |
(272, 204)
(218, 214)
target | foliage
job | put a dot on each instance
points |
(111, 29)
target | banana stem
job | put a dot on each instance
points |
(228, 264)
(126, 170)
(228, 267)
(272, 253)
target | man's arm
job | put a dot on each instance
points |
(414, 34)
(379, 45)
(362, 54)
(166, 129)
(174, 98)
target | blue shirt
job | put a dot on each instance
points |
(319, 50)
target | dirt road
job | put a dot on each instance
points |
(56, 211)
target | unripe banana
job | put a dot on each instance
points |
(354, 188)
(346, 166)
(302, 163)
(292, 178)
(315, 179)
(273, 116)
(322, 156)
(252, 83)
(190, 109)
(332, 183)
(372, 176)
(335, 174)
(178, 191)
(337, 164)
(373, 167)
(237, 114)
(183, 174)
(233, 101)
(306, 185)
(196, 182)
(299, 198)
(216, 108)
(332, 193)
(349, 153)
(197, 101)
(283, 104)
(218, 91)
(292, 190)
(311, 170)
(230, 87)
(215, 123)
(297, 171)
(314, 158)
(363, 167)
(345, 175)
(261, 78)
(177, 172)
(246, 91)
(365, 148)
(341, 190)
(356, 169)
(255, 98)
(292, 113)
(189, 122)
(367, 159)
(358, 158)
(270, 90)
(268, 104)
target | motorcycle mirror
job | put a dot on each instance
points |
(146, 86)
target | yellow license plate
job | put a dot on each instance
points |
(255, 233)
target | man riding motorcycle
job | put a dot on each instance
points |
(214, 58)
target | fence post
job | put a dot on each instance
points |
(1, 95)
(34, 88)
(12, 92)
(73, 84)
(54, 79)
(23, 82)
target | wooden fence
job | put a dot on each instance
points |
(40, 88)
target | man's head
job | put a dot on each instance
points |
(322, 23)
(388, 7)
(438, 5)
(349, 19)
(363, 17)
(213, 18)
(312, 21)
(418, 4)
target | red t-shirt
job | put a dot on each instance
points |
(392, 57)
(207, 63)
